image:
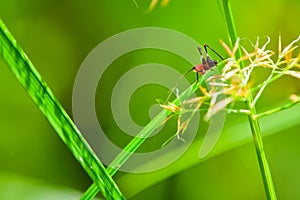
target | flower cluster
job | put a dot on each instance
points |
(234, 83)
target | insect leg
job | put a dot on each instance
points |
(203, 56)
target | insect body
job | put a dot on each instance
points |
(207, 62)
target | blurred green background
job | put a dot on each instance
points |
(58, 35)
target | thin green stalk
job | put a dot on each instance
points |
(135, 143)
(274, 78)
(255, 129)
(41, 94)
(266, 82)
(269, 112)
(260, 152)
(230, 22)
(91, 192)
(238, 111)
(135, 3)
(231, 27)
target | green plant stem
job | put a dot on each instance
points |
(230, 22)
(41, 94)
(260, 152)
(135, 143)
(255, 129)
(274, 78)
(272, 111)
(238, 111)
(266, 82)
(231, 27)
(91, 192)
(135, 3)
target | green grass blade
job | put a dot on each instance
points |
(28, 76)
(134, 144)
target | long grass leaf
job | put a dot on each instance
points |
(135, 143)
(38, 90)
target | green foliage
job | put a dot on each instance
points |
(262, 106)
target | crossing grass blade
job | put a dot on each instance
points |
(135, 143)
(42, 96)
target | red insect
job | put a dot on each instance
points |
(207, 62)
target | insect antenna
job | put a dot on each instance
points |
(207, 46)
(177, 82)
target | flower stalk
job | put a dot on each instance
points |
(250, 105)
(260, 152)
